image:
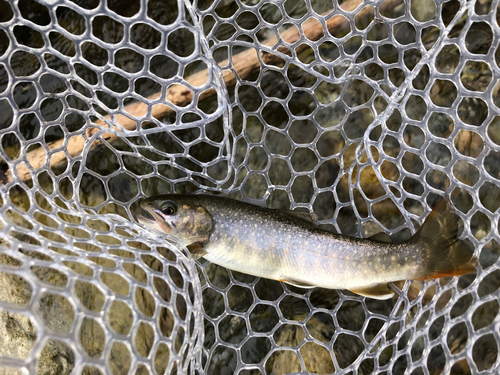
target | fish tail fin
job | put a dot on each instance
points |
(445, 254)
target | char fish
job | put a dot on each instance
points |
(286, 245)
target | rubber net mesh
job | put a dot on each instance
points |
(364, 112)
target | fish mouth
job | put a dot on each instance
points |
(145, 220)
(144, 217)
(152, 220)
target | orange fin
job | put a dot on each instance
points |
(444, 253)
(464, 269)
(296, 283)
(377, 291)
(197, 250)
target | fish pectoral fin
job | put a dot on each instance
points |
(305, 216)
(297, 283)
(377, 291)
(381, 237)
(197, 250)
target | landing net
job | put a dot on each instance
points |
(366, 113)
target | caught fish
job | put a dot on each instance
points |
(286, 245)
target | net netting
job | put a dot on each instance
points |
(364, 112)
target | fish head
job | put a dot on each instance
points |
(180, 216)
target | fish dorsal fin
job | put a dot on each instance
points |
(381, 237)
(197, 250)
(305, 216)
(377, 291)
(297, 283)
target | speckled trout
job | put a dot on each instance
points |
(286, 245)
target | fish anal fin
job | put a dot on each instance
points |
(297, 283)
(377, 291)
(197, 250)
(381, 237)
(305, 216)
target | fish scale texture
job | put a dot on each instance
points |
(366, 113)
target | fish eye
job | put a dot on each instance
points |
(168, 208)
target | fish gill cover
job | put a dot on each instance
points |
(365, 113)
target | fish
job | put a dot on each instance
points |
(288, 246)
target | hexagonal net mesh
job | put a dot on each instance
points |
(364, 112)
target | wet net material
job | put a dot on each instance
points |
(366, 113)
